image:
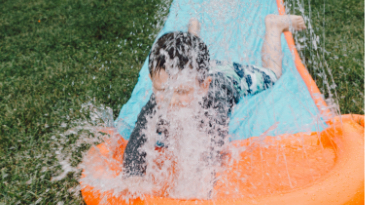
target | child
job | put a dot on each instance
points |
(182, 75)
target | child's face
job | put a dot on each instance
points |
(178, 91)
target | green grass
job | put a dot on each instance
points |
(339, 24)
(57, 55)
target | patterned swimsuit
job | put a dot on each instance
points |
(229, 83)
(246, 79)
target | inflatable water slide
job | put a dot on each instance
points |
(311, 155)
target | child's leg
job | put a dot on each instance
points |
(271, 50)
(194, 27)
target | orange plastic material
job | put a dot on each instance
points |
(336, 155)
(307, 78)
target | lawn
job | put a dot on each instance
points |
(57, 55)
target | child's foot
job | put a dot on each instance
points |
(194, 27)
(283, 22)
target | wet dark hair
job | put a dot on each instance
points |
(184, 50)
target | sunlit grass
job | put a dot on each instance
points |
(339, 25)
(55, 56)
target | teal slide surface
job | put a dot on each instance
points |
(234, 31)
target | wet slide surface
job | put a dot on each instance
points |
(234, 31)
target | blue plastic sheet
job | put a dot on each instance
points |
(234, 31)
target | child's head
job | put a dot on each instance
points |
(179, 69)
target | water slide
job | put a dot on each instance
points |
(325, 151)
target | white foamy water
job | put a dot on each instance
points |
(183, 155)
(190, 161)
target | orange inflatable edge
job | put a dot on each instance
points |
(307, 78)
(344, 184)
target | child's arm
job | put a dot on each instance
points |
(134, 159)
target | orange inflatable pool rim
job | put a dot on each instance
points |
(342, 184)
